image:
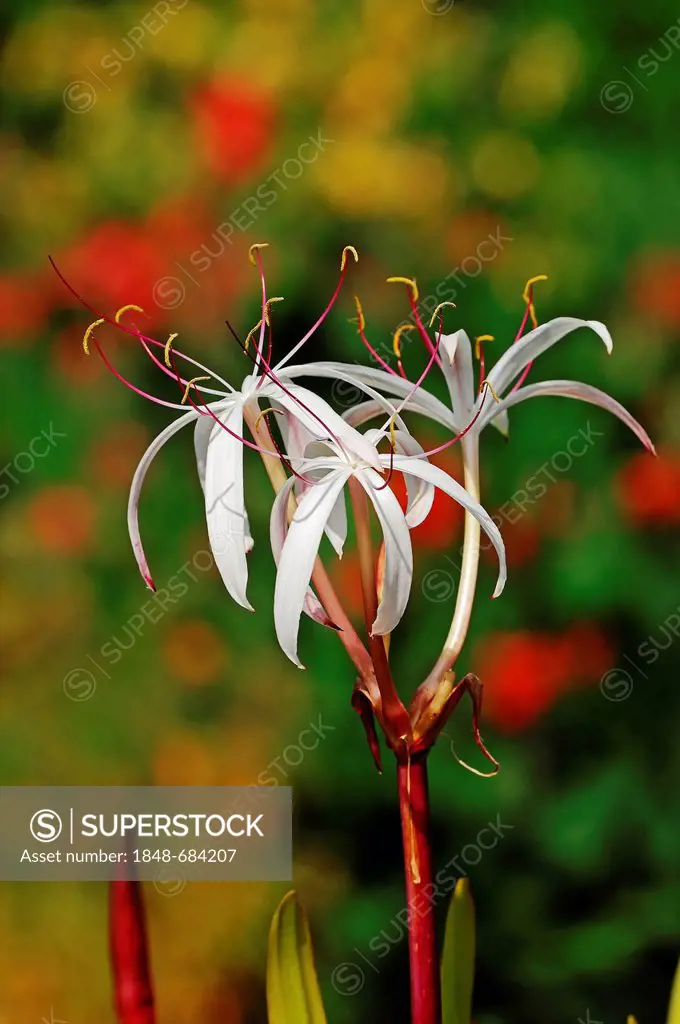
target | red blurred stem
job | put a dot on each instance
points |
(132, 988)
(415, 827)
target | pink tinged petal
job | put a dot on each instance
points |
(442, 480)
(398, 571)
(584, 393)
(320, 416)
(225, 507)
(297, 559)
(136, 487)
(523, 352)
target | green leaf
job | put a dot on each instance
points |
(293, 994)
(458, 958)
(674, 1005)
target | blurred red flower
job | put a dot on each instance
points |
(62, 519)
(655, 286)
(116, 263)
(23, 307)
(234, 125)
(649, 489)
(524, 673)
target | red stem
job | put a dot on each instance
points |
(415, 821)
(132, 988)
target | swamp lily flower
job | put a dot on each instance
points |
(473, 407)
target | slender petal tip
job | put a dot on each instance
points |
(149, 582)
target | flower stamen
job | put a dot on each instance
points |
(168, 346)
(125, 309)
(343, 258)
(439, 307)
(528, 293)
(190, 383)
(89, 332)
(410, 282)
(479, 354)
(396, 344)
(530, 311)
(254, 248)
(361, 321)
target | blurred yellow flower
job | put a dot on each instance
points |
(505, 165)
(364, 178)
(542, 72)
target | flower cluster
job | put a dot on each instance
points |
(316, 457)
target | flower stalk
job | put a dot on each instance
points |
(415, 825)
(132, 987)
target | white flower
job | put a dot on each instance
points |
(472, 409)
(295, 545)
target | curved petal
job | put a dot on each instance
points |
(442, 480)
(519, 355)
(318, 417)
(278, 529)
(136, 487)
(366, 378)
(225, 506)
(582, 392)
(398, 571)
(298, 555)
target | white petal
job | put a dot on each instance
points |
(398, 572)
(136, 487)
(501, 421)
(224, 504)
(582, 392)
(524, 351)
(278, 530)
(445, 483)
(317, 416)
(205, 429)
(457, 366)
(298, 556)
(366, 379)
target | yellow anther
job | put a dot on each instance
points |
(532, 281)
(485, 384)
(168, 346)
(396, 340)
(124, 309)
(343, 259)
(408, 281)
(478, 344)
(251, 333)
(526, 296)
(257, 245)
(267, 311)
(88, 334)
(360, 315)
(265, 412)
(440, 306)
(190, 384)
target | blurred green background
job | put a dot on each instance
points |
(141, 147)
